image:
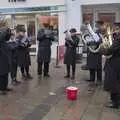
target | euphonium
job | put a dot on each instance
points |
(91, 37)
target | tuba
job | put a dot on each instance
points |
(90, 38)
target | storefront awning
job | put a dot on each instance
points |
(32, 9)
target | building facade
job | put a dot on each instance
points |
(60, 14)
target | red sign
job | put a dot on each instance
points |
(107, 17)
(61, 51)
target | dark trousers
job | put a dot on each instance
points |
(25, 70)
(115, 97)
(93, 73)
(14, 71)
(46, 68)
(73, 69)
(3, 82)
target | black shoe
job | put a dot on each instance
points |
(113, 106)
(89, 80)
(73, 77)
(23, 76)
(4, 93)
(9, 89)
(16, 82)
(29, 76)
(46, 75)
(40, 73)
(67, 76)
(99, 83)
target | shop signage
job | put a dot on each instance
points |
(16, 0)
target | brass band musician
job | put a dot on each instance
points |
(94, 59)
(112, 68)
(71, 42)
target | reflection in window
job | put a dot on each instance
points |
(51, 20)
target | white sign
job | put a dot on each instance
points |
(16, 0)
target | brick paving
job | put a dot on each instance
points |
(31, 100)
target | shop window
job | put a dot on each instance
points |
(51, 20)
(88, 17)
(107, 17)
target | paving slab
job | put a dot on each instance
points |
(31, 100)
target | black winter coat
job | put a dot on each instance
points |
(23, 55)
(4, 58)
(112, 67)
(94, 60)
(44, 46)
(12, 53)
(70, 53)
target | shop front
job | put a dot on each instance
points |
(33, 19)
(109, 13)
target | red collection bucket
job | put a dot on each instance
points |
(72, 93)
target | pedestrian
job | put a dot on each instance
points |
(45, 38)
(4, 59)
(94, 59)
(23, 55)
(112, 69)
(71, 42)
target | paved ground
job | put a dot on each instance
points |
(33, 100)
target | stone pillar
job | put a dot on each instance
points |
(95, 17)
(13, 21)
(74, 14)
(62, 27)
(117, 19)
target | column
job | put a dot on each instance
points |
(95, 17)
(13, 21)
(36, 31)
(117, 19)
(74, 14)
(62, 27)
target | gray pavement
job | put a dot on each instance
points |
(34, 100)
